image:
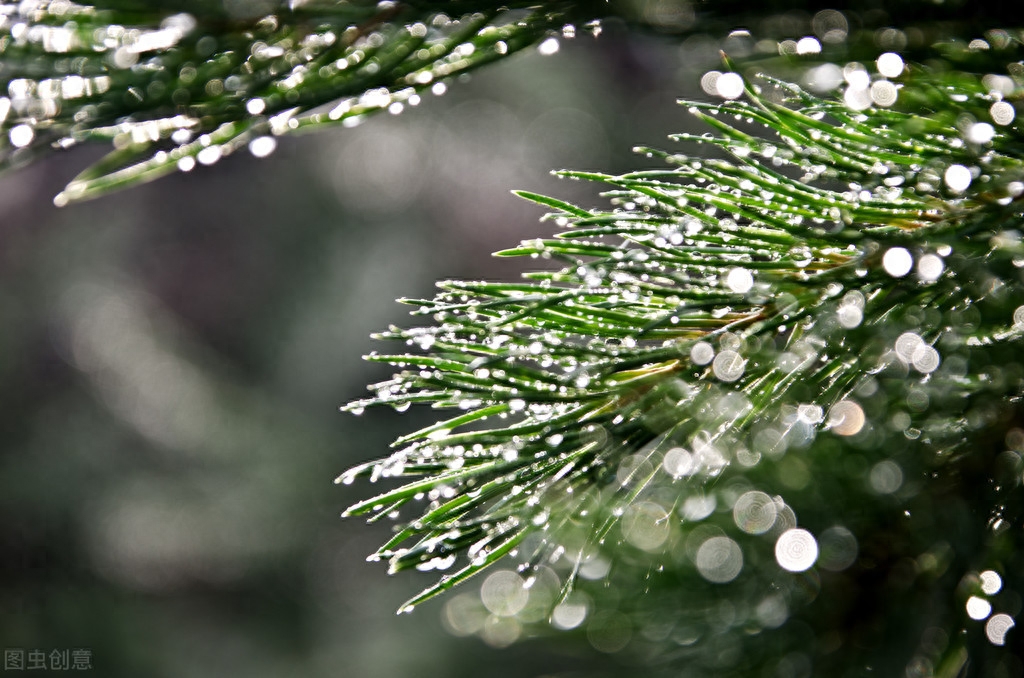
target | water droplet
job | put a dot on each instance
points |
(886, 477)
(925, 359)
(883, 93)
(997, 627)
(957, 178)
(729, 366)
(740, 280)
(991, 582)
(980, 133)
(796, 550)
(846, 418)
(978, 608)
(890, 65)
(1002, 112)
(808, 45)
(678, 462)
(897, 261)
(261, 147)
(21, 136)
(703, 353)
(729, 85)
(548, 47)
(719, 560)
(930, 267)
(754, 512)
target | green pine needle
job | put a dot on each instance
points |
(745, 297)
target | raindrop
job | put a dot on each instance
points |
(997, 628)
(548, 47)
(702, 352)
(569, 614)
(883, 93)
(980, 133)
(850, 316)
(846, 418)
(255, 106)
(729, 85)
(678, 463)
(209, 155)
(261, 147)
(1002, 113)
(897, 261)
(886, 477)
(740, 280)
(978, 608)
(957, 178)
(930, 267)
(796, 550)
(925, 359)
(907, 345)
(729, 366)
(645, 526)
(719, 560)
(808, 45)
(504, 593)
(991, 582)
(21, 136)
(890, 65)
(754, 512)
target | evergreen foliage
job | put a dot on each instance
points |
(819, 326)
(765, 419)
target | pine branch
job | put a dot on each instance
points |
(823, 283)
(168, 91)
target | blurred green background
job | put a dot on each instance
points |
(173, 357)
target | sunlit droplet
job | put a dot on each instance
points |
(930, 267)
(729, 366)
(886, 477)
(808, 45)
(261, 147)
(925, 359)
(569, 614)
(897, 261)
(548, 47)
(754, 512)
(740, 280)
(21, 136)
(980, 133)
(729, 85)
(678, 462)
(1002, 112)
(850, 316)
(255, 106)
(719, 560)
(997, 627)
(209, 155)
(890, 65)
(991, 582)
(796, 550)
(958, 178)
(702, 353)
(1018, 317)
(978, 608)
(846, 418)
(504, 593)
(883, 93)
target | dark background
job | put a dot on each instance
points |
(172, 359)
